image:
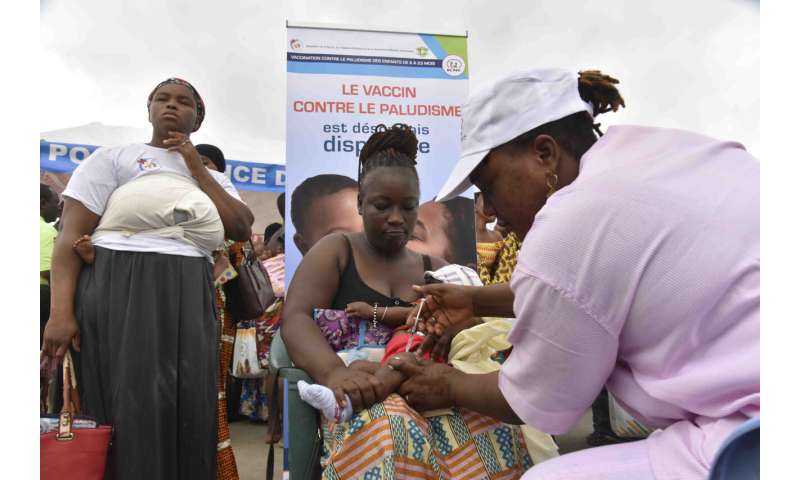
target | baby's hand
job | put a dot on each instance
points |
(84, 248)
(360, 309)
(404, 357)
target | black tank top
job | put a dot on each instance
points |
(353, 289)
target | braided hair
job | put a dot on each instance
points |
(578, 132)
(600, 90)
(394, 146)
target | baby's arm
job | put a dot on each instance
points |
(395, 316)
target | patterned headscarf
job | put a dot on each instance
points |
(201, 107)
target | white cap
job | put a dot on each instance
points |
(505, 110)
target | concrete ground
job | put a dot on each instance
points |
(251, 450)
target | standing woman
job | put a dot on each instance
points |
(142, 315)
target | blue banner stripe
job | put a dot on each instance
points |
(369, 70)
(434, 45)
(260, 177)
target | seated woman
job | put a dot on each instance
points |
(374, 266)
(403, 344)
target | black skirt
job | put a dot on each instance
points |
(148, 362)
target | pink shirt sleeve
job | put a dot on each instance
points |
(561, 358)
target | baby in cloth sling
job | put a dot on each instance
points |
(402, 343)
(164, 205)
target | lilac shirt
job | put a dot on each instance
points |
(642, 275)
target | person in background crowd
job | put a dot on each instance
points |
(498, 260)
(228, 256)
(211, 156)
(322, 205)
(497, 253)
(639, 272)
(57, 224)
(281, 201)
(260, 249)
(49, 211)
(276, 245)
(269, 231)
(502, 227)
(254, 394)
(482, 232)
(141, 318)
(446, 230)
(376, 267)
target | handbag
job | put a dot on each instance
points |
(250, 293)
(245, 355)
(73, 453)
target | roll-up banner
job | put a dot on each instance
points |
(341, 83)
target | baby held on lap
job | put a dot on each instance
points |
(404, 345)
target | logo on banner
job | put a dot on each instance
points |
(146, 164)
(295, 44)
(453, 65)
(422, 51)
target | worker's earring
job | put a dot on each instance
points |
(551, 180)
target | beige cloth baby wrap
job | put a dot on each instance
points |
(166, 205)
(471, 351)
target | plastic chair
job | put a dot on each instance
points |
(738, 457)
(301, 421)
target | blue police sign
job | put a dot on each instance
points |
(264, 177)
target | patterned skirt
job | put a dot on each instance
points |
(390, 440)
(226, 462)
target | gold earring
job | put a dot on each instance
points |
(551, 180)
